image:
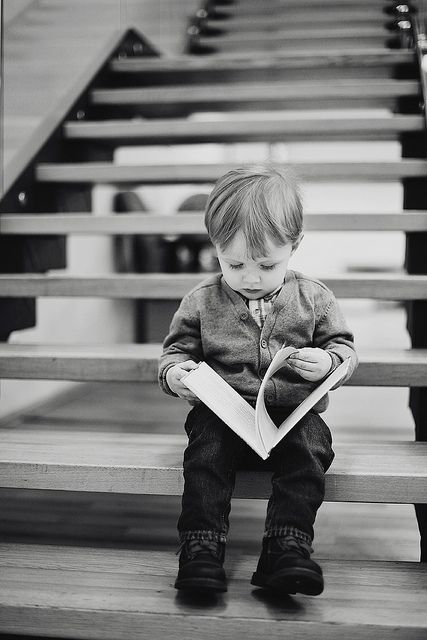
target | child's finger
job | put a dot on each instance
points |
(303, 365)
(305, 356)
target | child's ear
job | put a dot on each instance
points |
(297, 244)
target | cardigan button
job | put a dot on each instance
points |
(243, 316)
(264, 344)
(270, 398)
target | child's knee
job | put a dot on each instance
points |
(202, 423)
(313, 434)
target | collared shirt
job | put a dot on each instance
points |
(260, 308)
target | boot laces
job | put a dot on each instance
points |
(297, 545)
(197, 546)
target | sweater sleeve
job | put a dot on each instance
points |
(333, 335)
(183, 341)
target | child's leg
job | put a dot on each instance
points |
(209, 476)
(299, 463)
(298, 483)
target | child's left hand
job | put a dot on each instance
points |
(311, 363)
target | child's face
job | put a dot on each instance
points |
(253, 278)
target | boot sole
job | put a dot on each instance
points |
(200, 584)
(296, 580)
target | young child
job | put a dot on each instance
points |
(236, 321)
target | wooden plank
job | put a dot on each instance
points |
(180, 130)
(306, 5)
(308, 31)
(139, 362)
(141, 463)
(157, 286)
(106, 594)
(190, 223)
(204, 96)
(266, 23)
(298, 40)
(263, 66)
(108, 173)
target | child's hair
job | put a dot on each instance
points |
(263, 201)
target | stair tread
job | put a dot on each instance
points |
(135, 132)
(141, 463)
(139, 362)
(190, 223)
(298, 32)
(295, 41)
(185, 63)
(158, 286)
(115, 591)
(347, 15)
(277, 90)
(187, 173)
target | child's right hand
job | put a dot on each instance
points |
(173, 379)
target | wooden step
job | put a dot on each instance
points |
(298, 40)
(104, 172)
(295, 34)
(139, 362)
(270, 95)
(345, 15)
(132, 132)
(279, 9)
(77, 592)
(371, 62)
(305, 5)
(141, 463)
(192, 222)
(157, 286)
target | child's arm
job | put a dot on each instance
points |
(333, 343)
(182, 349)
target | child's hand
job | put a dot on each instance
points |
(311, 363)
(173, 379)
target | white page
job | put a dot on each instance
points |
(264, 425)
(310, 401)
(228, 405)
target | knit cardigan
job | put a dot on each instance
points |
(213, 324)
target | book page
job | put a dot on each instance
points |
(307, 404)
(264, 425)
(228, 405)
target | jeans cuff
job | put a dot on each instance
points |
(216, 536)
(286, 530)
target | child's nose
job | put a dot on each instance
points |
(251, 277)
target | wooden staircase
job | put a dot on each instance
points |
(242, 61)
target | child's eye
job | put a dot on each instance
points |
(235, 266)
(267, 267)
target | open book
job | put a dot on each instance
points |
(255, 426)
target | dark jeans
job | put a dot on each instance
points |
(215, 452)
